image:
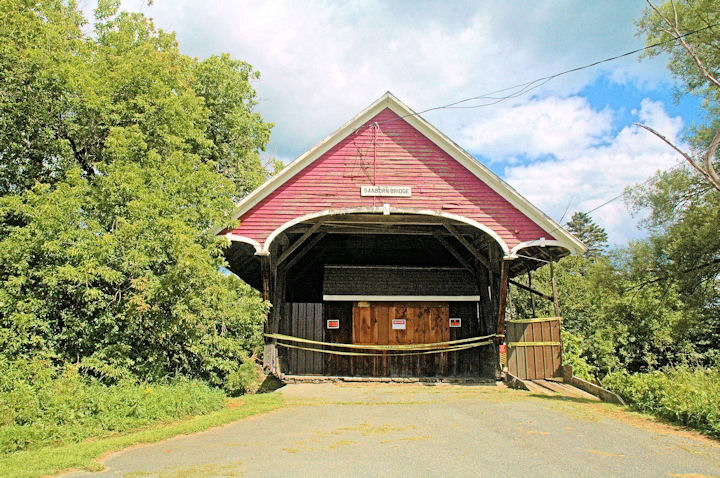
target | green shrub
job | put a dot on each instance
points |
(685, 396)
(40, 406)
(573, 354)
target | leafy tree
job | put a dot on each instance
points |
(592, 235)
(695, 62)
(236, 132)
(106, 258)
(615, 317)
(38, 47)
(64, 93)
(684, 204)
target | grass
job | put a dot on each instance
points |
(683, 396)
(53, 459)
(69, 409)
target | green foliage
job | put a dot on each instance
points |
(52, 460)
(235, 131)
(573, 355)
(119, 155)
(67, 96)
(121, 272)
(684, 396)
(38, 47)
(40, 406)
(614, 319)
(683, 247)
(692, 15)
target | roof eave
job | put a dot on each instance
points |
(388, 100)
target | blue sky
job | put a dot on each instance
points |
(569, 144)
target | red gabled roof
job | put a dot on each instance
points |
(388, 144)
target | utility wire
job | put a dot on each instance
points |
(680, 164)
(523, 88)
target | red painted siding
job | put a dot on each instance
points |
(402, 156)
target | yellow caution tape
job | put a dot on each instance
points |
(366, 354)
(532, 321)
(289, 338)
(531, 344)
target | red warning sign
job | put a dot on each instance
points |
(398, 324)
(455, 322)
(333, 324)
(503, 348)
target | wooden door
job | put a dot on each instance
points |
(419, 323)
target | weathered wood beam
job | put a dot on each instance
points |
(467, 245)
(532, 297)
(454, 252)
(278, 302)
(309, 245)
(556, 303)
(308, 264)
(270, 348)
(299, 242)
(503, 300)
(265, 273)
(530, 289)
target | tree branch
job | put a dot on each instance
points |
(684, 154)
(709, 154)
(679, 36)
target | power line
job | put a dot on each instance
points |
(523, 88)
(680, 163)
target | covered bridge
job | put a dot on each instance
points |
(391, 241)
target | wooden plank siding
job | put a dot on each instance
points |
(427, 322)
(534, 362)
(306, 322)
(400, 156)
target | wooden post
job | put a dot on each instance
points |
(270, 348)
(502, 304)
(277, 312)
(556, 304)
(532, 297)
(503, 300)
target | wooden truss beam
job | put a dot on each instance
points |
(309, 245)
(454, 252)
(467, 245)
(530, 289)
(299, 242)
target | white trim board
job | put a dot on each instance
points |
(376, 210)
(402, 298)
(388, 100)
(422, 268)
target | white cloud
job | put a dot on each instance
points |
(584, 174)
(539, 127)
(322, 62)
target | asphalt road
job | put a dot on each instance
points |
(422, 430)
